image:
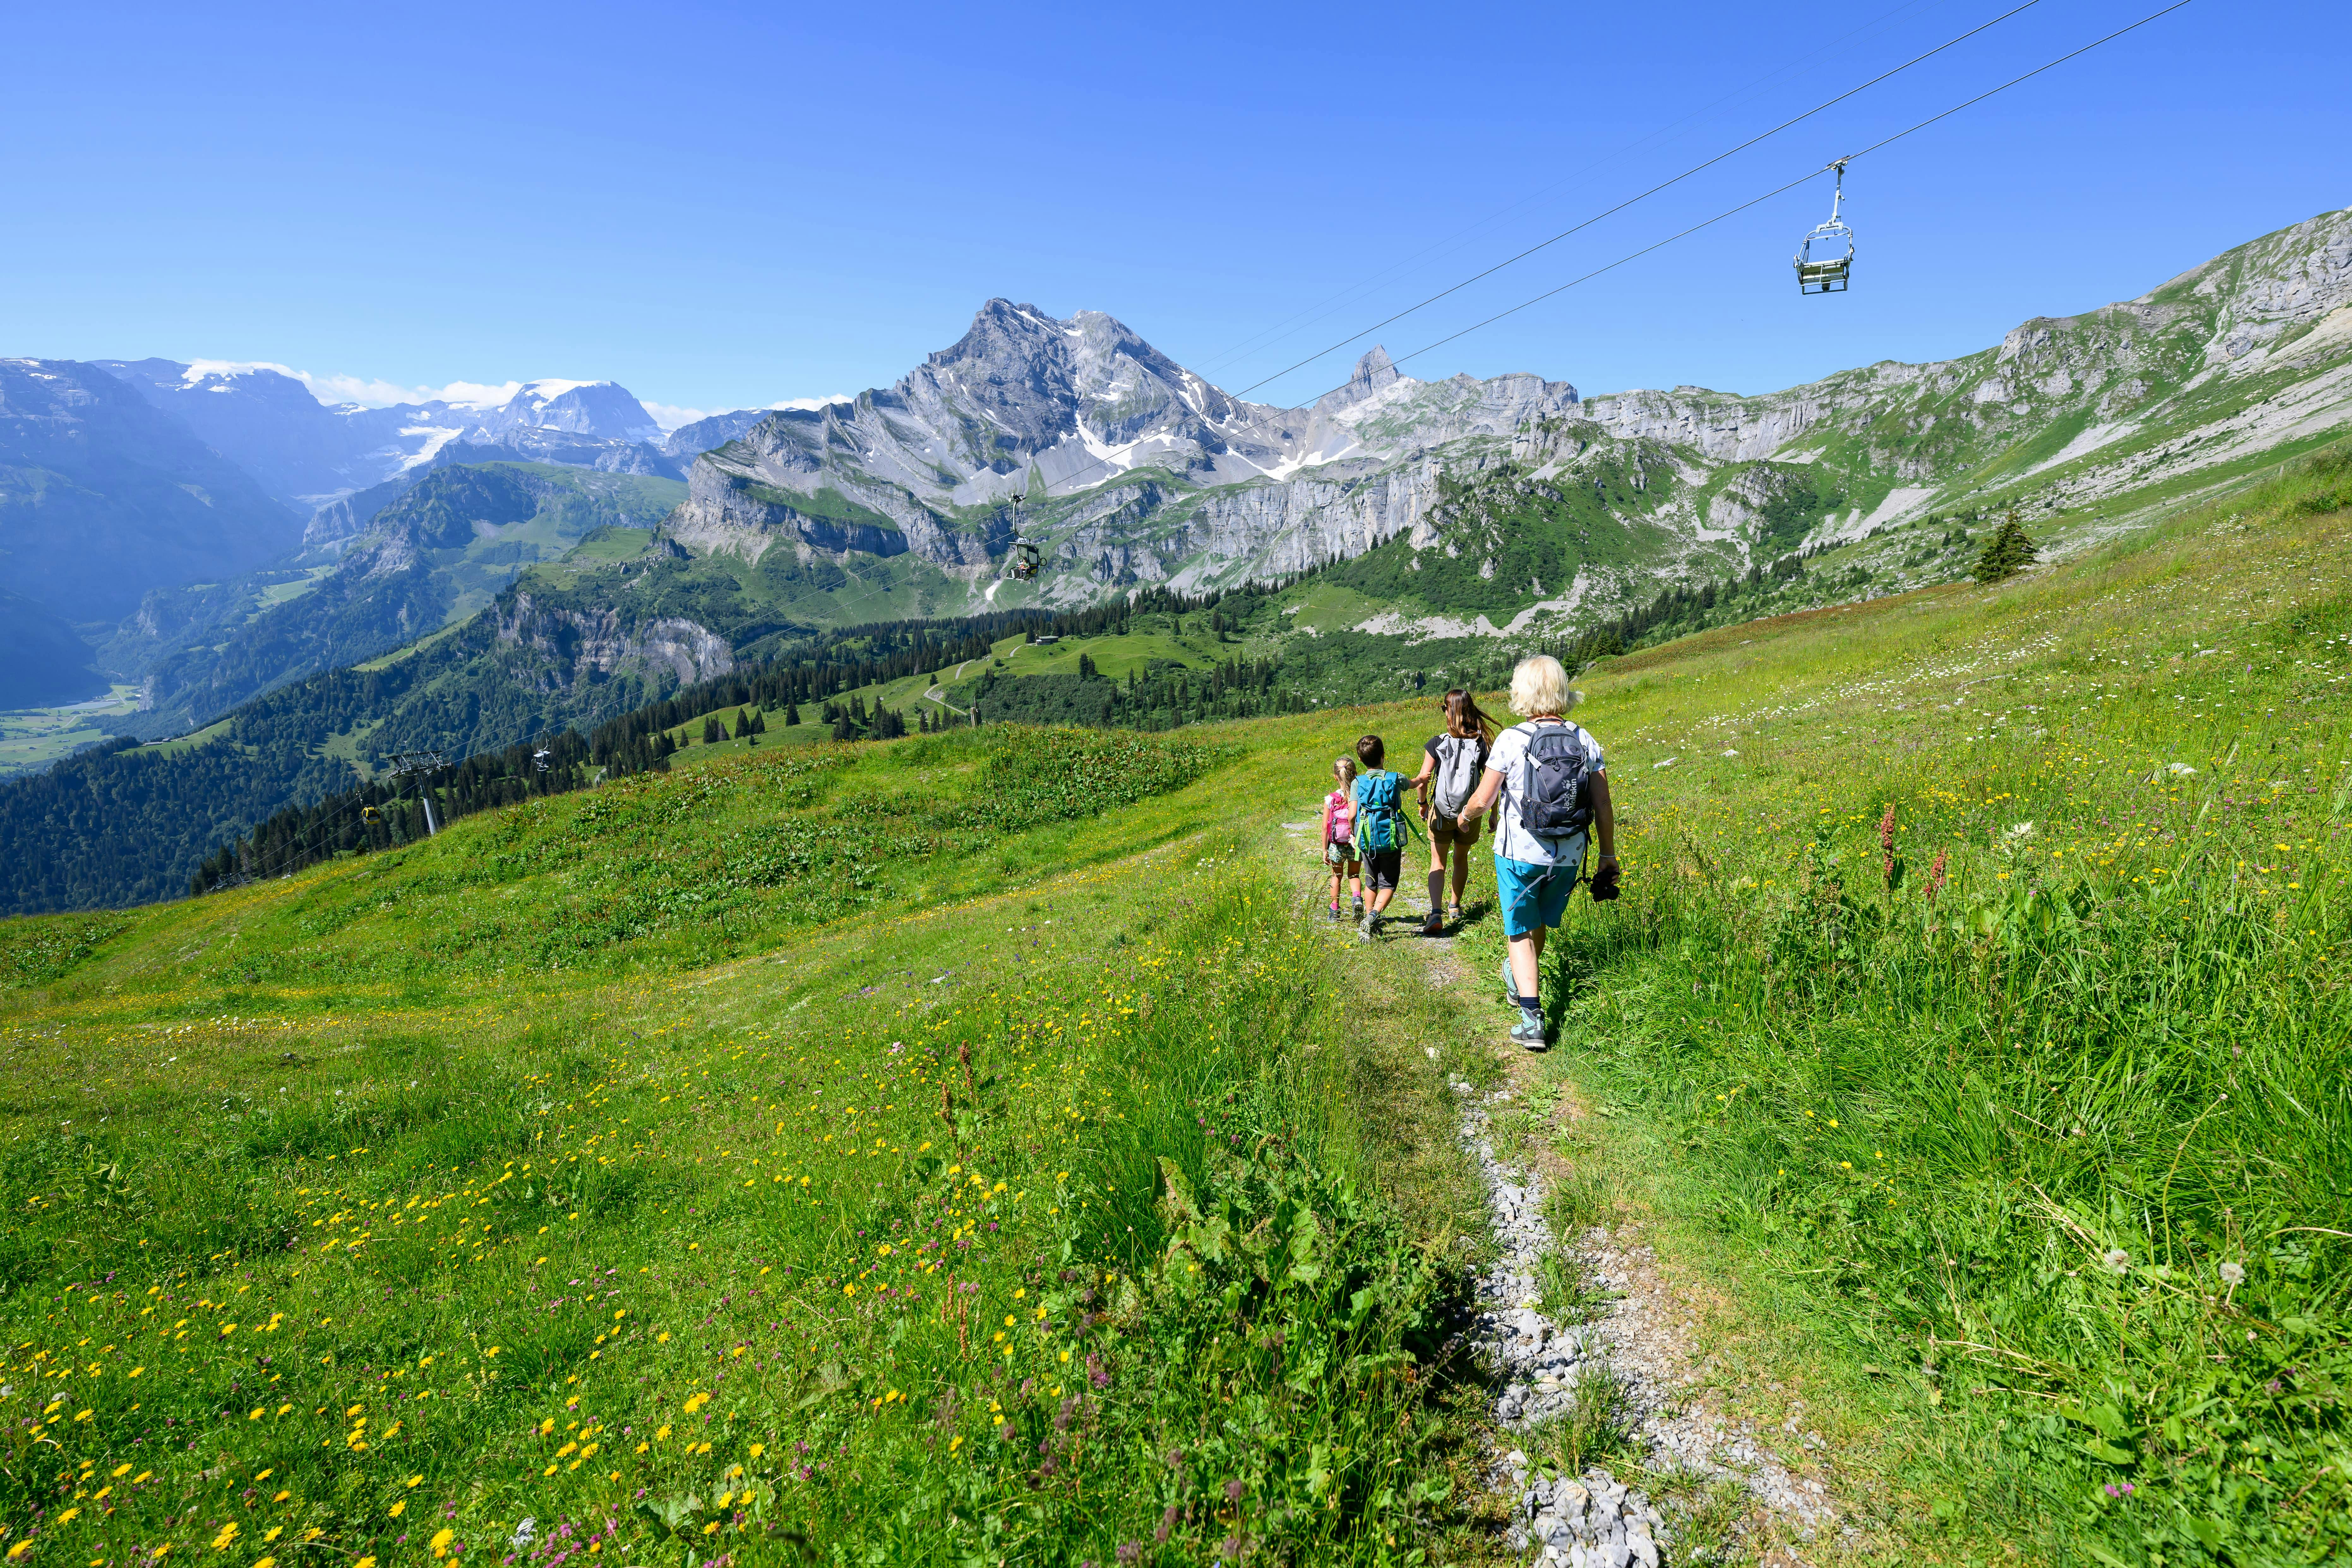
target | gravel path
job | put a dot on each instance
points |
(1596, 1520)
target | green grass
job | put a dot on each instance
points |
(611, 542)
(377, 1225)
(191, 740)
(2046, 1125)
(597, 1042)
(278, 593)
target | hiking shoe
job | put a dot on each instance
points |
(1335, 911)
(1529, 1031)
(1434, 926)
(1368, 929)
(1455, 914)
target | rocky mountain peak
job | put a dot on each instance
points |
(1373, 372)
(1013, 368)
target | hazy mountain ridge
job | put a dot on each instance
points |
(312, 453)
(102, 499)
(437, 554)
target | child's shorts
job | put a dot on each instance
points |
(1381, 868)
(1339, 854)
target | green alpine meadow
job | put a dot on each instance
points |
(980, 1147)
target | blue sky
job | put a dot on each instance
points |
(719, 207)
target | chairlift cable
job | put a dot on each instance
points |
(1654, 190)
(2028, 76)
(1316, 312)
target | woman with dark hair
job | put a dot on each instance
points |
(1451, 766)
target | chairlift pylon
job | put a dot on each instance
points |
(1825, 256)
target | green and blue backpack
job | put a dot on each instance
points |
(1380, 826)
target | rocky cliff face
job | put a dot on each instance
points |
(1129, 469)
(578, 646)
(1052, 414)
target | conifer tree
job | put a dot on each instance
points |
(792, 713)
(2007, 552)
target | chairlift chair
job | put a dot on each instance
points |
(1025, 560)
(370, 815)
(1825, 256)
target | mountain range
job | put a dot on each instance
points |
(309, 454)
(147, 503)
(1513, 501)
(511, 570)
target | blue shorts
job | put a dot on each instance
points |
(1532, 895)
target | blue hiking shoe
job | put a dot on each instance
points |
(1529, 1030)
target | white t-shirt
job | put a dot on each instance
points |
(1510, 758)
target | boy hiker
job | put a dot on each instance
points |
(1380, 831)
(1546, 780)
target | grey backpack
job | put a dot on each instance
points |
(1558, 798)
(1457, 775)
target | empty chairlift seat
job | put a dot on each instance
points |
(1825, 256)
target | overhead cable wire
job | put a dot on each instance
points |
(1279, 414)
(290, 858)
(1753, 201)
(1743, 206)
(1630, 201)
(1314, 314)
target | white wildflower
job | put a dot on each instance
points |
(2020, 830)
(2118, 1259)
(2180, 770)
(2232, 1275)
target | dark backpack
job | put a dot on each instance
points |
(1556, 795)
(1378, 825)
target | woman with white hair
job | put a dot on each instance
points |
(1548, 780)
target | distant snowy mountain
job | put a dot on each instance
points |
(311, 455)
(303, 451)
(602, 409)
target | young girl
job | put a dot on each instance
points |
(1339, 836)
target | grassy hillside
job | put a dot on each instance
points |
(750, 1153)
(1978, 998)
(859, 1246)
